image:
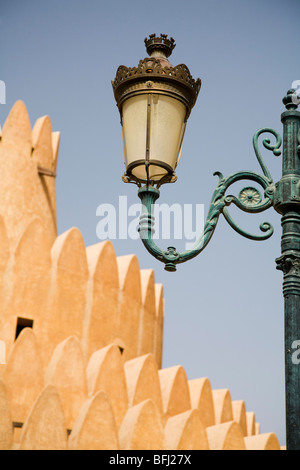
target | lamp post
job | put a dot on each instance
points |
(155, 100)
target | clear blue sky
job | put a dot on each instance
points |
(224, 310)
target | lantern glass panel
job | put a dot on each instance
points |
(153, 128)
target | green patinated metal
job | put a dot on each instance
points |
(284, 196)
(249, 200)
(287, 203)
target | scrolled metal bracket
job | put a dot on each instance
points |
(249, 200)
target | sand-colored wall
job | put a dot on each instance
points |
(112, 404)
(53, 280)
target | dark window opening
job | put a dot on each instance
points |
(21, 324)
(17, 424)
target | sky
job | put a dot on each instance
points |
(223, 309)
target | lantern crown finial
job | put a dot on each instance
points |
(159, 44)
(157, 68)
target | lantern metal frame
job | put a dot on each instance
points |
(155, 75)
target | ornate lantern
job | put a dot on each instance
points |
(155, 100)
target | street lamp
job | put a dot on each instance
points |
(155, 100)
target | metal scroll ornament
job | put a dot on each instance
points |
(249, 200)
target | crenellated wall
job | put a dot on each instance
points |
(111, 404)
(66, 289)
(55, 282)
(24, 193)
(83, 331)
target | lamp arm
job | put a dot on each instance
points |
(249, 200)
